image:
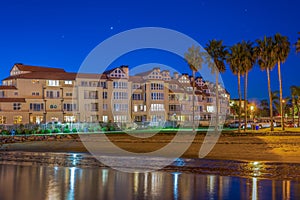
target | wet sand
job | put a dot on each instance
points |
(277, 148)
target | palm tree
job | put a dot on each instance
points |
(218, 53)
(282, 49)
(249, 59)
(194, 60)
(276, 101)
(298, 44)
(267, 61)
(235, 61)
(295, 92)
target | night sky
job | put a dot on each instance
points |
(62, 33)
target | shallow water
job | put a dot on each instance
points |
(78, 176)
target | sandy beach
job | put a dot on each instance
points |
(277, 148)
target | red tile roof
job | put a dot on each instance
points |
(12, 99)
(37, 68)
(6, 87)
(44, 75)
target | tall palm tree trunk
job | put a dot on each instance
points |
(217, 101)
(240, 101)
(293, 109)
(280, 97)
(193, 102)
(270, 99)
(245, 99)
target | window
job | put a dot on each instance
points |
(52, 94)
(69, 118)
(157, 96)
(104, 95)
(120, 107)
(157, 107)
(16, 93)
(68, 82)
(117, 73)
(135, 108)
(53, 82)
(105, 118)
(2, 120)
(53, 106)
(69, 107)
(136, 96)
(36, 106)
(174, 107)
(17, 119)
(16, 106)
(210, 109)
(120, 85)
(103, 84)
(120, 118)
(105, 106)
(120, 95)
(84, 83)
(2, 94)
(35, 93)
(157, 86)
(136, 86)
(90, 94)
(69, 94)
(94, 107)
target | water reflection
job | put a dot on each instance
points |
(40, 182)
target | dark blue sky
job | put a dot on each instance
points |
(62, 33)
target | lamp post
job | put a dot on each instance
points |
(282, 114)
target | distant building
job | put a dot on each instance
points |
(33, 94)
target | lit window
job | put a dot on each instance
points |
(17, 119)
(53, 82)
(2, 120)
(68, 82)
(105, 118)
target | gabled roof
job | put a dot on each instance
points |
(12, 100)
(6, 87)
(31, 68)
(44, 75)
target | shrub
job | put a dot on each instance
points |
(66, 130)
(56, 130)
(5, 132)
(74, 130)
(48, 131)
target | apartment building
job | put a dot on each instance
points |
(34, 94)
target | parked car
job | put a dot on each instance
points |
(234, 124)
(265, 123)
(249, 124)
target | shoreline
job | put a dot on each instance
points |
(265, 148)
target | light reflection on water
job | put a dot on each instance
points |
(45, 182)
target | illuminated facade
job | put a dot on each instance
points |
(33, 94)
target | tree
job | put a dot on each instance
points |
(298, 44)
(276, 101)
(266, 60)
(218, 53)
(248, 60)
(235, 61)
(282, 49)
(194, 60)
(295, 92)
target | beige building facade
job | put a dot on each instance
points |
(33, 94)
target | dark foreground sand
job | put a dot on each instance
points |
(280, 148)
